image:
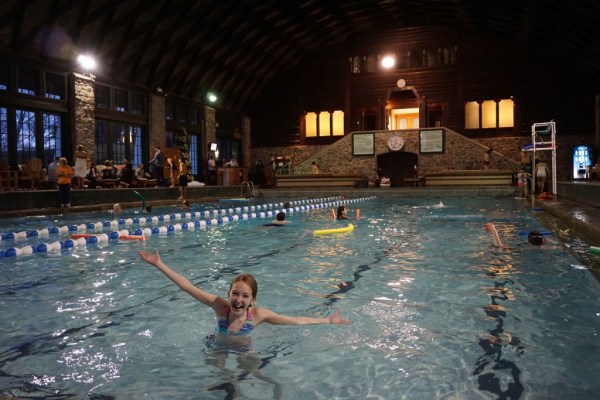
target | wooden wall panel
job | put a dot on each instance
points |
(488, 66)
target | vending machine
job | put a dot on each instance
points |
(582, 159)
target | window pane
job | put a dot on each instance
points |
(55, 86)
(194, 153)
(472, 115)
(25, 136)
(194, 116)
(4, 135)
(507, 113)
(52, 135)
(233, 146)
(101, 142)
(170, 111)
(338, 123)
(181, 117)
(121, 100)
(138, 104)
(311, 124)
(170, 140)
(28, 81)
(324, 124)
(102, 96)
(488, 114)
(135, 138)
(118, 143)
(3, 76)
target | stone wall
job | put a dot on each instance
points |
(246, 143)
(461, 153)
(157, 130)
(83, 116)
(210, 128)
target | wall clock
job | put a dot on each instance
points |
(395, 142)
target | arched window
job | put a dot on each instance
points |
(356, 65)
(371, 63)
(448, 55)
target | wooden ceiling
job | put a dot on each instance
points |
(235, 47)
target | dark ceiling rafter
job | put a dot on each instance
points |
(138, 56)
(151, 81)
(182, 51)
(291, 17)
(199, 59)
(235, 48)
(129, 35)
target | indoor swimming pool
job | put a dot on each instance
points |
(436, 311)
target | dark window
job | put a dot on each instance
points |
(135, 139)
(102, 96)
(371, 63)
(170, 142)
(356, 65)
(402, 59)
(194, 116)
(448, 55)
(119, 151)
(194, 153)
(224, 122)
(138, 104)
(432, 57)
(52, 137)
(181, 117)
(29, 81)
(121, 100)
(101, 142)
(4, 135)
(55, 86)
(25, 136)
(170, 111)
(3, 76)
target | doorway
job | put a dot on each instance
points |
(397, 166)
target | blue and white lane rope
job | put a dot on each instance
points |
(154, 220)
(105, 237)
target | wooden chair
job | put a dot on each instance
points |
(32, 172)
(8, 179)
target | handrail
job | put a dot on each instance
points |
(250, 189)
(282, 168)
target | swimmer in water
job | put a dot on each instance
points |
(341, 212)
(117, 209)
(185, 205)
(236, 314)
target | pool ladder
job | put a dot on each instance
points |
(250, 189)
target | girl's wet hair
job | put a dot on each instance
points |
(248, 280)
(339, 212)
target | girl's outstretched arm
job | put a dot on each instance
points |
(270, 317)
(211, 300)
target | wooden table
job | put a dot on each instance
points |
(234, 175)
(106, 183)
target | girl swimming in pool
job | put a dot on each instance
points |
(235, 315)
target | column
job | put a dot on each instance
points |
(83, 115)
(156, 123)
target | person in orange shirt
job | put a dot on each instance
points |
(64, 174)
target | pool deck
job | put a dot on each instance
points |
(578, 204)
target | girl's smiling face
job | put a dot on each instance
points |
(240, 297)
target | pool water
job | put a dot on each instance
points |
(437, 313)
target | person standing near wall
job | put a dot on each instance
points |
(65, 174)
(212, 170)
(157, 161)
(487, 159)
(542, 171)
(183, 179)
(80, 166)
(315, 169)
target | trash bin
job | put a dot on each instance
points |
(225, 177)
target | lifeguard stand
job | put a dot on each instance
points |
(546, 133)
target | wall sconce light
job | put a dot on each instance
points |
(211, 97)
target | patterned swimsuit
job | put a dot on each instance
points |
(223, 324)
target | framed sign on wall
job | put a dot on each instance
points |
(363, 144)
(432, 141)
